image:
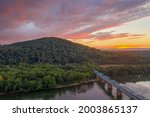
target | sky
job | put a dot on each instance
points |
(104, 24)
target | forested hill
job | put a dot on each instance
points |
(59, 51)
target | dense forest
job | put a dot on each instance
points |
(60, 51)
(25, 78)
(126, 70)
(53, 62)
(127, 73)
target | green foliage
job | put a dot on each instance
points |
(59, 51)
(45, 63)
(49, 81)
(24, 78)
(127, 70)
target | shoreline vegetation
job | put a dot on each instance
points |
(57, 87)
(121, 70)
(29, 78)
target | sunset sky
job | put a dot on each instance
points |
(106, 24)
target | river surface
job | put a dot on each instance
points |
(89, 91)
(140, 86)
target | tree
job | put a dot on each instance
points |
(49, 81)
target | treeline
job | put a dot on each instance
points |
(48, 50)
(59, 51)
(126, 70)
(25, 78)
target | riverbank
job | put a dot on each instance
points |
(75, 84)
(89, 91)
(57, 87)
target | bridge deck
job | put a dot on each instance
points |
(123, 89)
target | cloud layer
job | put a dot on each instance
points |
(74, 19)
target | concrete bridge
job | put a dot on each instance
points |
(105, 80)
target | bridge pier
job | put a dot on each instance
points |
(111, 84)
(102, 83)
(119, 94)
(109, 88)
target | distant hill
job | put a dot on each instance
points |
(60, 51)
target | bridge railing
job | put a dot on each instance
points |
(120, 89)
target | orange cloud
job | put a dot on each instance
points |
(119, 36)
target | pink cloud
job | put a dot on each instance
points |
(61, 17)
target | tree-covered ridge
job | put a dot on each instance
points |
(47, 50)
(60, 51)
(24, 78)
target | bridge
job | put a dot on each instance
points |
(105, 80)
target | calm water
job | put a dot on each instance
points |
(90, 91)
(140, 85)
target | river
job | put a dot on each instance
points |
(140, 85)
(90, 91)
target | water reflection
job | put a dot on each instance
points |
(141, 87)
(90, 91)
